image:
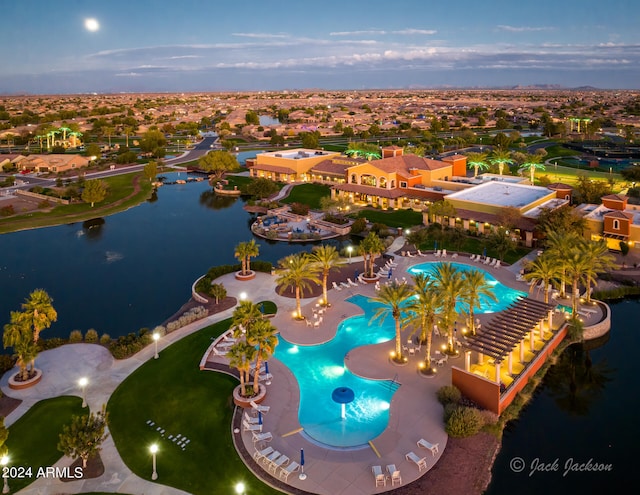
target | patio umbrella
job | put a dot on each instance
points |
(356, 274)
(484, 252)
(389, 275)
(302, 476)
(266, 367)
(435, 245)
(259, 417)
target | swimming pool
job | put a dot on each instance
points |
(320, 369)
(505, 295)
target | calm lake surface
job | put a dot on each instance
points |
(135, 269)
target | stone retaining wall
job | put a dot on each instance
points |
(195, 295)
(43, 197)
(602, 327)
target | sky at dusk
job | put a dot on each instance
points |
(204, 45)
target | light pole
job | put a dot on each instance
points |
(156, 337)
(154, 449)
(4, 461)
(349, 250)
(83, 386)
(240, 488)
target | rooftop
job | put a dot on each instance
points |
(297, 154)
(501, 193)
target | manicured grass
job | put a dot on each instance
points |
(395, 218)
(177, 396)
(476, 245)
(308, 194)
(33, 439)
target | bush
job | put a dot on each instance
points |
(448, 410)
(91, 337)
(449, 394)
(299, 209)
(52, 343)
(6, 363)
(6, 211)
(464, 422)
(105, 339)
(75, 336)
(489, 417)
(624, 248)
(160, 330)
(358, 226)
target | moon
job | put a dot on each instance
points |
(91, 24)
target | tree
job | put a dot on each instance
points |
(501, 158)
(151, 140)
(449, 286)
(38, 312)
(441, 209)
(218, 292)
(327, 258)
(391, 298)
(84, 436)
(532, 164)
(563, 219)
(4, 434)
(94, 191)
(423, 309)
(93, 150)
(151, 170)
(475, 289)
(297, 271)
(598, 260)
(591, 191)
(477, 161)
(310, 140)
(371, 247)
(262, 336)
(252, 118)
(559, 243)
(543, 269)
(261, 187)
(218, 163)
(244, 252)
(241, 355)
(17, 334)
(501, 241)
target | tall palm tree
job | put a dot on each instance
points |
(598, 260)
(127, 130)
(532, 164)
(477, 161)
(393, 297)
(245, 315)
(17, 334)
(328, 258)
(449, 285)
(501, 158)
(543, 269)
(25, 351)
(240, 355)
(297, 272)
(244, 251)
(38, 312)
(475, 288)
(559, 244)
(261, 335)
(423, 309)
(371, 247)
(577, 264)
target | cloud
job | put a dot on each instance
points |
(261, 35)
(408, 31)
(522, 29)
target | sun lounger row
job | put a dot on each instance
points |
(393, 473)
(273, 460)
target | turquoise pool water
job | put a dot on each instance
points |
(505, 295)
(320, 369)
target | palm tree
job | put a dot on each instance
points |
(26, 351)
(423, 309)
(17, 334)
(532, 163)
(38, 312)
(262, 336)
(64, 131)
(477, 161)
(244, 252)
(328, 258)
(449, 285)
(576, 264)
(371, 247)
(392, 297)
(598, 260)
(543, 269)
(297, 271)
(475, 288)
(501, 158)
(240, 355)
(559, 244)
(245, 315)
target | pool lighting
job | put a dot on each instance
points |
(294, 349)
(333, 371)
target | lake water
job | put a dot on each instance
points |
(135, 269)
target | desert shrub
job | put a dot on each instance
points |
(52, 343)
(160, 330)
(624, 248)
(448, 410)
(488, 417)
(105, 339)
(272, 235)
(358, 226)
(337, 219)
(91, 337)
(75, 336)
(6, 211)
(6, 363)
(449, 394)
(299, 209)
(464, 422)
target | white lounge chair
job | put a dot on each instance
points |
(344, 285)
(308, 322)
(442, 360)
(433, 447)
(220, 352)
(410, 255)
(437, 253)
(421, 462)
(336, 287)
(259, 454)
(351, 283)
(251, 427)
(493, 262)
(283, 460)
(250, 419)
(271, 457)
(286, 471)
(486, 261)
(260, 407)
(444, 253)
(472, 257)
(454, 256)
(420, 253)
(394, 473)
(361, 280)
(498, 264)
(383, 273)
(266, 377)
(267, 436)
(381, 479)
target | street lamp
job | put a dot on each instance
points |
(243, 296)
(349, 250)
(156, 337)
(4, 461)
(83, 385)
(154, 449)
(240, 488)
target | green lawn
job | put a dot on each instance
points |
(476, 245)
(177, 396)
(308, 194)
(395, 218)
(33, 439)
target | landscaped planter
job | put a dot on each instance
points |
(245, 402)
(371, 280)
(20, 385)
(250, 275)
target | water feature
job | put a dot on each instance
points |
(321, 370)
(267, 120)
(505, 295)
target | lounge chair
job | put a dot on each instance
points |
(493, 262)
(267, 436)
(271, 457)
(433, 447)
(283, 460)
(260, 407)
(251, 427)
(472, 257)
(250, 419)
(336, 287)
(361, 280)
(344, 285)
(383, 273)
(351, 283)
(381, 479)
(443, 360)
(266, 377)
(437, 253)
(420, 253)
(286, 471)
(410, 255)
(308, 322)
(421, 462)
(220, 352)
(454, 256)
(444, 253)
(395, 474)
(486, 261)
(259, 454)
